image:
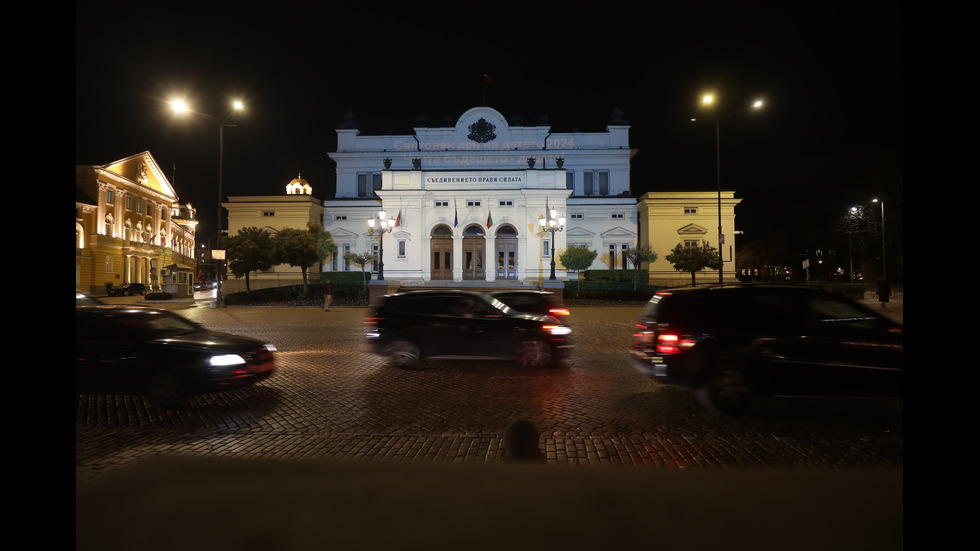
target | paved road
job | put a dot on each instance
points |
(333, 400)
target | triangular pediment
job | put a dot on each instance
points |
(580, 232)
(341, 233)
(143, 170)
(618, 232)
(692, 229)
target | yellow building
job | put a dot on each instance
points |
(129, 227)
(667, 218)
(274, 212)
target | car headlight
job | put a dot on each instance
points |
(225, 360)
(558, 329)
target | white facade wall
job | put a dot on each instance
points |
(480, 168)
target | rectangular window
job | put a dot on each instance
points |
(362, 183)
(690, 210)
(625, 248)
(569, 180)
(341, 217)
(139, 205)
(618, 216)
(376, 182)
(473, 203)
(374, 253)
(442, 203)
(545, 248)
(691, 243)
(268, 213)
(588, 186)
(401, 248)
(110, 197)
(129, 202)
(577, 216)
(346, 263)
(612, 256)
(506, 203)
(603, 182)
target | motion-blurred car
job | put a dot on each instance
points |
(86, 299)
(161, 355)
(128, 289)
(730, 344)
(408, 327)
(541, 303)
(203, 285)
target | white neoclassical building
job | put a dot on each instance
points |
(467, 198)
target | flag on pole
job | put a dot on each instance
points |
(489, 219)
(398, 221)
(455, 214)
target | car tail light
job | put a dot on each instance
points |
(559, 311)
(663, 342)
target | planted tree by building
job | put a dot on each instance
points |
(248, 252)
(694, 258)
(577, 258)
(361, 260)
(637, 256)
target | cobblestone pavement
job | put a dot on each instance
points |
(333, 400)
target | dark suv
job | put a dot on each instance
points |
(731, 343)
(407, 327)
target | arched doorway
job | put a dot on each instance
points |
(442, 253)
(506, 252)
(474, 250)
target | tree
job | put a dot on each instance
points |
(361, 260)
(577, 258)
(301, 248)
(248, 252)
(693, 258)
(638, 255)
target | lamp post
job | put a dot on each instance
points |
(709, 100)
(181, 107)
(382, 224)
(884, 275)
(552, 223)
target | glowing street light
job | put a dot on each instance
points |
(552, 223)
(884, 274)
(381, 224)
(181, 107)
(708, 100)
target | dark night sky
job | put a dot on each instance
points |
(831, 77)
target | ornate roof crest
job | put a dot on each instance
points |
(481, 131)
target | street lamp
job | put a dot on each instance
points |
(383, 225)
(182, 107)
(552, 223)
(709, 100)
(883, 268)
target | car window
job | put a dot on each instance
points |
(832, 313)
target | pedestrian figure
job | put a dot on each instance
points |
(327, 295)
(884, 292)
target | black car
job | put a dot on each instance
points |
(542, 303)
(161, 355)
(407, 327)
(732, 343)
(128, 289)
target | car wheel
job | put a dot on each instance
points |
(126, 293)
(403, 353)
(166, 391)
(533, 353)
(724, 391)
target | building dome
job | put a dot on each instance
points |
(298, 186)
